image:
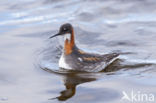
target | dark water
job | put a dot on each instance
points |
(102, 26)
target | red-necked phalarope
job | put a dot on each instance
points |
(75, 59)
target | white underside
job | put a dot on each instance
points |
(63, 64)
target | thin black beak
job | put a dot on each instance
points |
(55, 35)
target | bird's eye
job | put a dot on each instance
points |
(64, 29)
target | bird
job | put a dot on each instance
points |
(75, 59)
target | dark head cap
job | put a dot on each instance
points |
(64, 29)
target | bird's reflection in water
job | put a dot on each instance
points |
(72, 79)
(70, 82)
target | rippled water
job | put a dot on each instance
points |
(29, 60)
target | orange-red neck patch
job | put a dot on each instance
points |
(69, 44)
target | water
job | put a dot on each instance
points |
(101, 26)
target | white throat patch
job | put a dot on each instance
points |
(67, 36)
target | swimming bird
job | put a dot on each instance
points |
(73, 58)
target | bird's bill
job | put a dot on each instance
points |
(55, 35)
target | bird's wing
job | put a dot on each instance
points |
(88, 57)
(108, 57)
(94, 58)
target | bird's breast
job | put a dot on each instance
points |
(63, 63)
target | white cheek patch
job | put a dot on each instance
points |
(67, 36)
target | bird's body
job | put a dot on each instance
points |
(81, 61)
(75, 59)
